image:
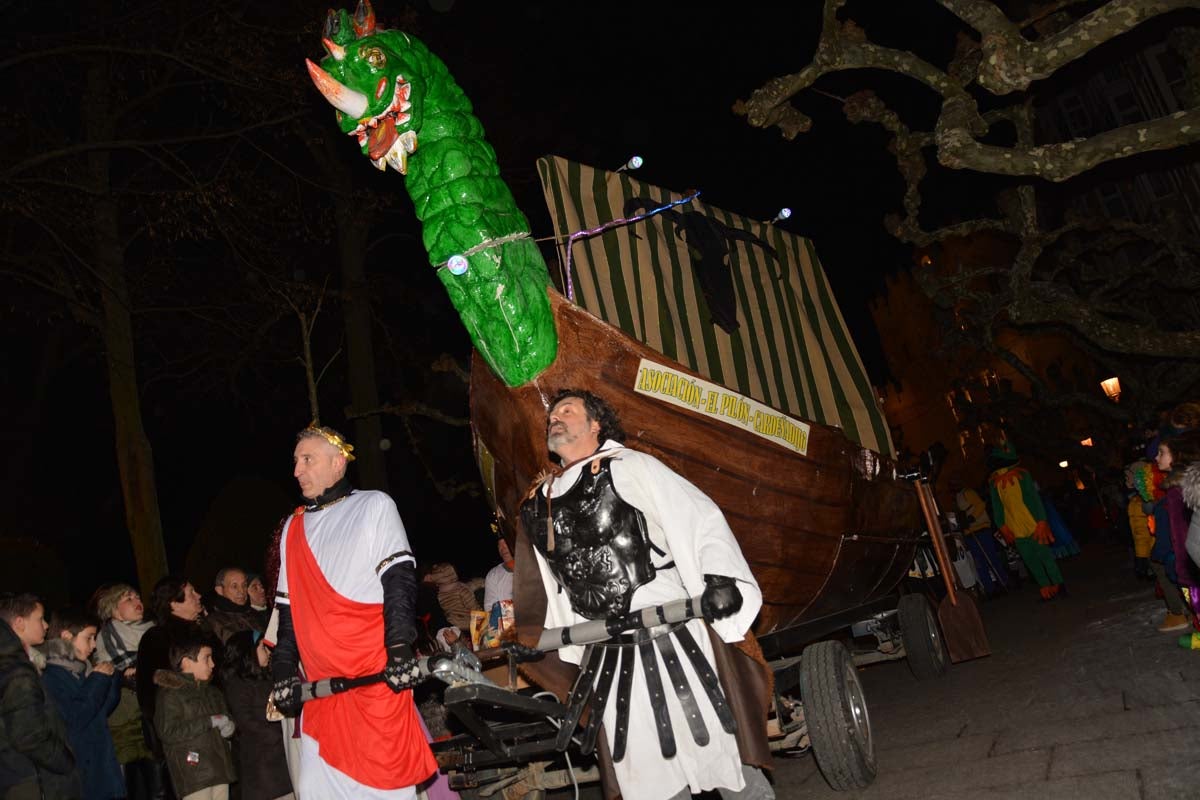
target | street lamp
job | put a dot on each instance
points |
(1086, 442)
(1064, 464)
(1112, 388)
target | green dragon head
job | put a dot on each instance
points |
(366, 75)
(387, 88)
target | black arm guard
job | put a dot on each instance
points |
(399, 604)
(285, 658)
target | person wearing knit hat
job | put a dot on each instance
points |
(1018, 513)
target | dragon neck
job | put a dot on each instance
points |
(467, 210)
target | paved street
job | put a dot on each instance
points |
(1081, 698)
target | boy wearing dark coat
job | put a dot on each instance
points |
(193, 724)
(35, 759)
(85, 696)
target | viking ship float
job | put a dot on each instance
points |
(716, 337)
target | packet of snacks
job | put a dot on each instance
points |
(479, 626)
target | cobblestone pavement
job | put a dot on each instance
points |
(1081, 698)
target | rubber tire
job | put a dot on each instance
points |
(923, 642)
(846, 761)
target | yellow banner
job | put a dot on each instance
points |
(717, 402)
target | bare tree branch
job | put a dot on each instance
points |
(1011, 62)
(140, 144)
(1006, 62)
(410, 409)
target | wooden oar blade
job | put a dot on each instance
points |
(963, 629)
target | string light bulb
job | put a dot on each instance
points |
(784, 213)
(635, 162)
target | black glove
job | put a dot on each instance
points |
(519, 652)
(402, 670)
(721, 598)
(285, 694)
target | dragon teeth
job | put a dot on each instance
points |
(398, 160)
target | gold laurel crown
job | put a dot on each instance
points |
(334, 438)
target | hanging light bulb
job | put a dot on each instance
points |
(633, 163)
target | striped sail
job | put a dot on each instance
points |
(791, 349)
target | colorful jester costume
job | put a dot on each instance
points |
(1140, 476)
(1018, 513)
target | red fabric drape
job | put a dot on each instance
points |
(371, 734)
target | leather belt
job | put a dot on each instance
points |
(640, 635)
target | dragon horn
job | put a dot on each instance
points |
(340, 96)
(334, 49)
(364, 19)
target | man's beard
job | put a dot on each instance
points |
(559, 439)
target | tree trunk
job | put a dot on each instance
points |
(353, 229)
(134, 457)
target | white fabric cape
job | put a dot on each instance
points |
(689, 526)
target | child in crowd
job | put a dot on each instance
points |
(1175, 454)
(85, 696)
(456, 598)
(26, 615)
(247, 682)
(193, 723)
(37, 761)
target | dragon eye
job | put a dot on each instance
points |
(374, 56)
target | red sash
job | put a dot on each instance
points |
(371, 734)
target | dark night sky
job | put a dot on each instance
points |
(592, 82)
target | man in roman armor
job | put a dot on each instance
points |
(346, 596)
(617, 531)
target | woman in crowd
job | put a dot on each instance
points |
(178, 610)
(121, 613)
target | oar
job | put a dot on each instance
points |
(957, 613)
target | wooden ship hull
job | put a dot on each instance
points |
(825, 532)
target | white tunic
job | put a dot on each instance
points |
(354, 541)
(690, 528)
(497, 586)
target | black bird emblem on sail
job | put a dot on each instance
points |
(708, 243)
